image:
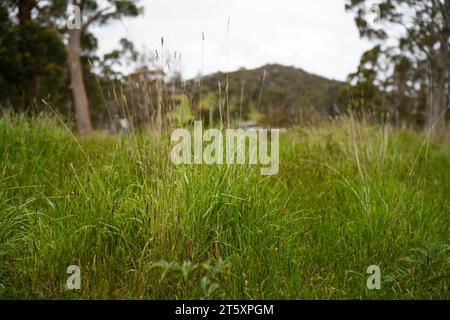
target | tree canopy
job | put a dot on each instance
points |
(410, 58)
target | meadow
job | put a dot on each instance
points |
(347, 195)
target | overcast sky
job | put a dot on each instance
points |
(316, 35)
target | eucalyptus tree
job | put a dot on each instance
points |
(412, 39)
(80, 40)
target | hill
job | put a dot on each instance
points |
(283, 95)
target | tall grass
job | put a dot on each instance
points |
(347, 196)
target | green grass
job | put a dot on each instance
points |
(347, 196)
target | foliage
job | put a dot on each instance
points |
(32, 63)
(425, 273)
(33, 57)
(410, 61)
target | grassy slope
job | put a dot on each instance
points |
(140, 227)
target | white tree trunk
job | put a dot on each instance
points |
(79, 97)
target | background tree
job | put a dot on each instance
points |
(367, 90)
(81, 42)
(414, 37)
(32, 59)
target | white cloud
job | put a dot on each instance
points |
(318, 36)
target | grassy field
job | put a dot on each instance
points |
(347, 196)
